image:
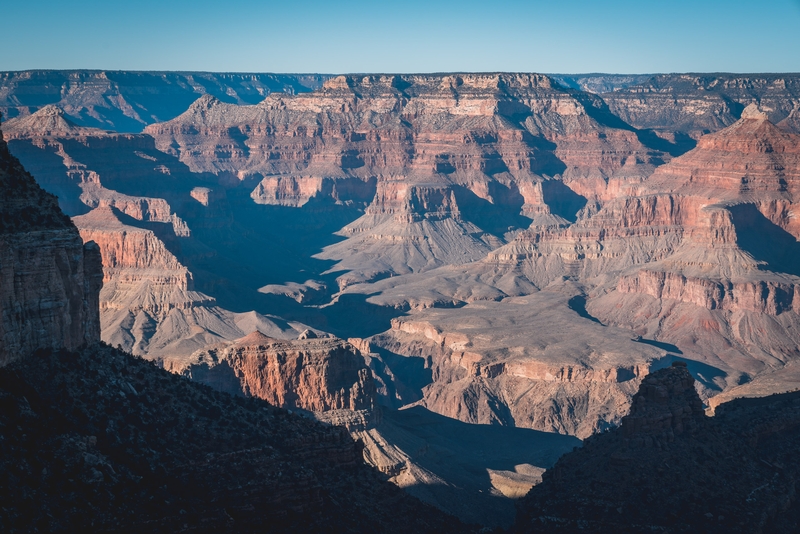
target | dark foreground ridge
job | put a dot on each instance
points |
(669, 468)
(101, 441)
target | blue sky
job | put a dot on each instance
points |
(566, 36)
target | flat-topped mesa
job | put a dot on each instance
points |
(666, 405)
(310, 373)
(389, 125)
(49, 280)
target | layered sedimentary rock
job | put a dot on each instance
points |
(733, 272)
(314, 374)
(101, 440)
(98, 439)
(431, 456)
(448, 165)
(699, 258)
(462, 191)
(128, 101)
(50, 279)
(672, 469)
(692, 104)
(529, 362)
(148, 303)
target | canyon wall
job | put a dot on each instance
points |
(672, 469)
(693, 104)
(128, 101)
(50, 279)
(314, 374)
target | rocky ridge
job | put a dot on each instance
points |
(693, 104)
(128, 101)
(100, 440)
(681, 259)
(327, 379)
(445, 165)
(314, 374)
(149, 304)
(672, 469)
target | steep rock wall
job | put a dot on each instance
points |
(49, 280)
(315, 374)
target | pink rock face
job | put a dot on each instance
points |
(445, 129)
(127, 247)
(311, 374)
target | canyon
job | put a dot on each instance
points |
(473, 254)
(93, 438)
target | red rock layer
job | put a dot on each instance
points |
(312, 374)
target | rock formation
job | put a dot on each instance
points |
(692, 104)
(698, 259)
(669, 468)
(149, 304)
(477, 195)
(101, 440)
(314, 374)
(128, 101)
(433, 457)
(529, 362)
(446, 165)
(97, 439)
(50, 279)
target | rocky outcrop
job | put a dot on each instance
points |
(699, 258)
(672, 469)
(453, 192)
(49, 279)
(101, 440)
(314, 374)
(528, 362)
(665, 406)
(149, 304)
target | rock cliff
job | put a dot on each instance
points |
(446, 166)
(314, 374)
(377, 196)
(149, 304)
(528, 362)
(692, 104)
(97, 439)
(698, 259)
(50, 279)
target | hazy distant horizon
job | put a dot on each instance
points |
(416, 36)
(391, 73)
